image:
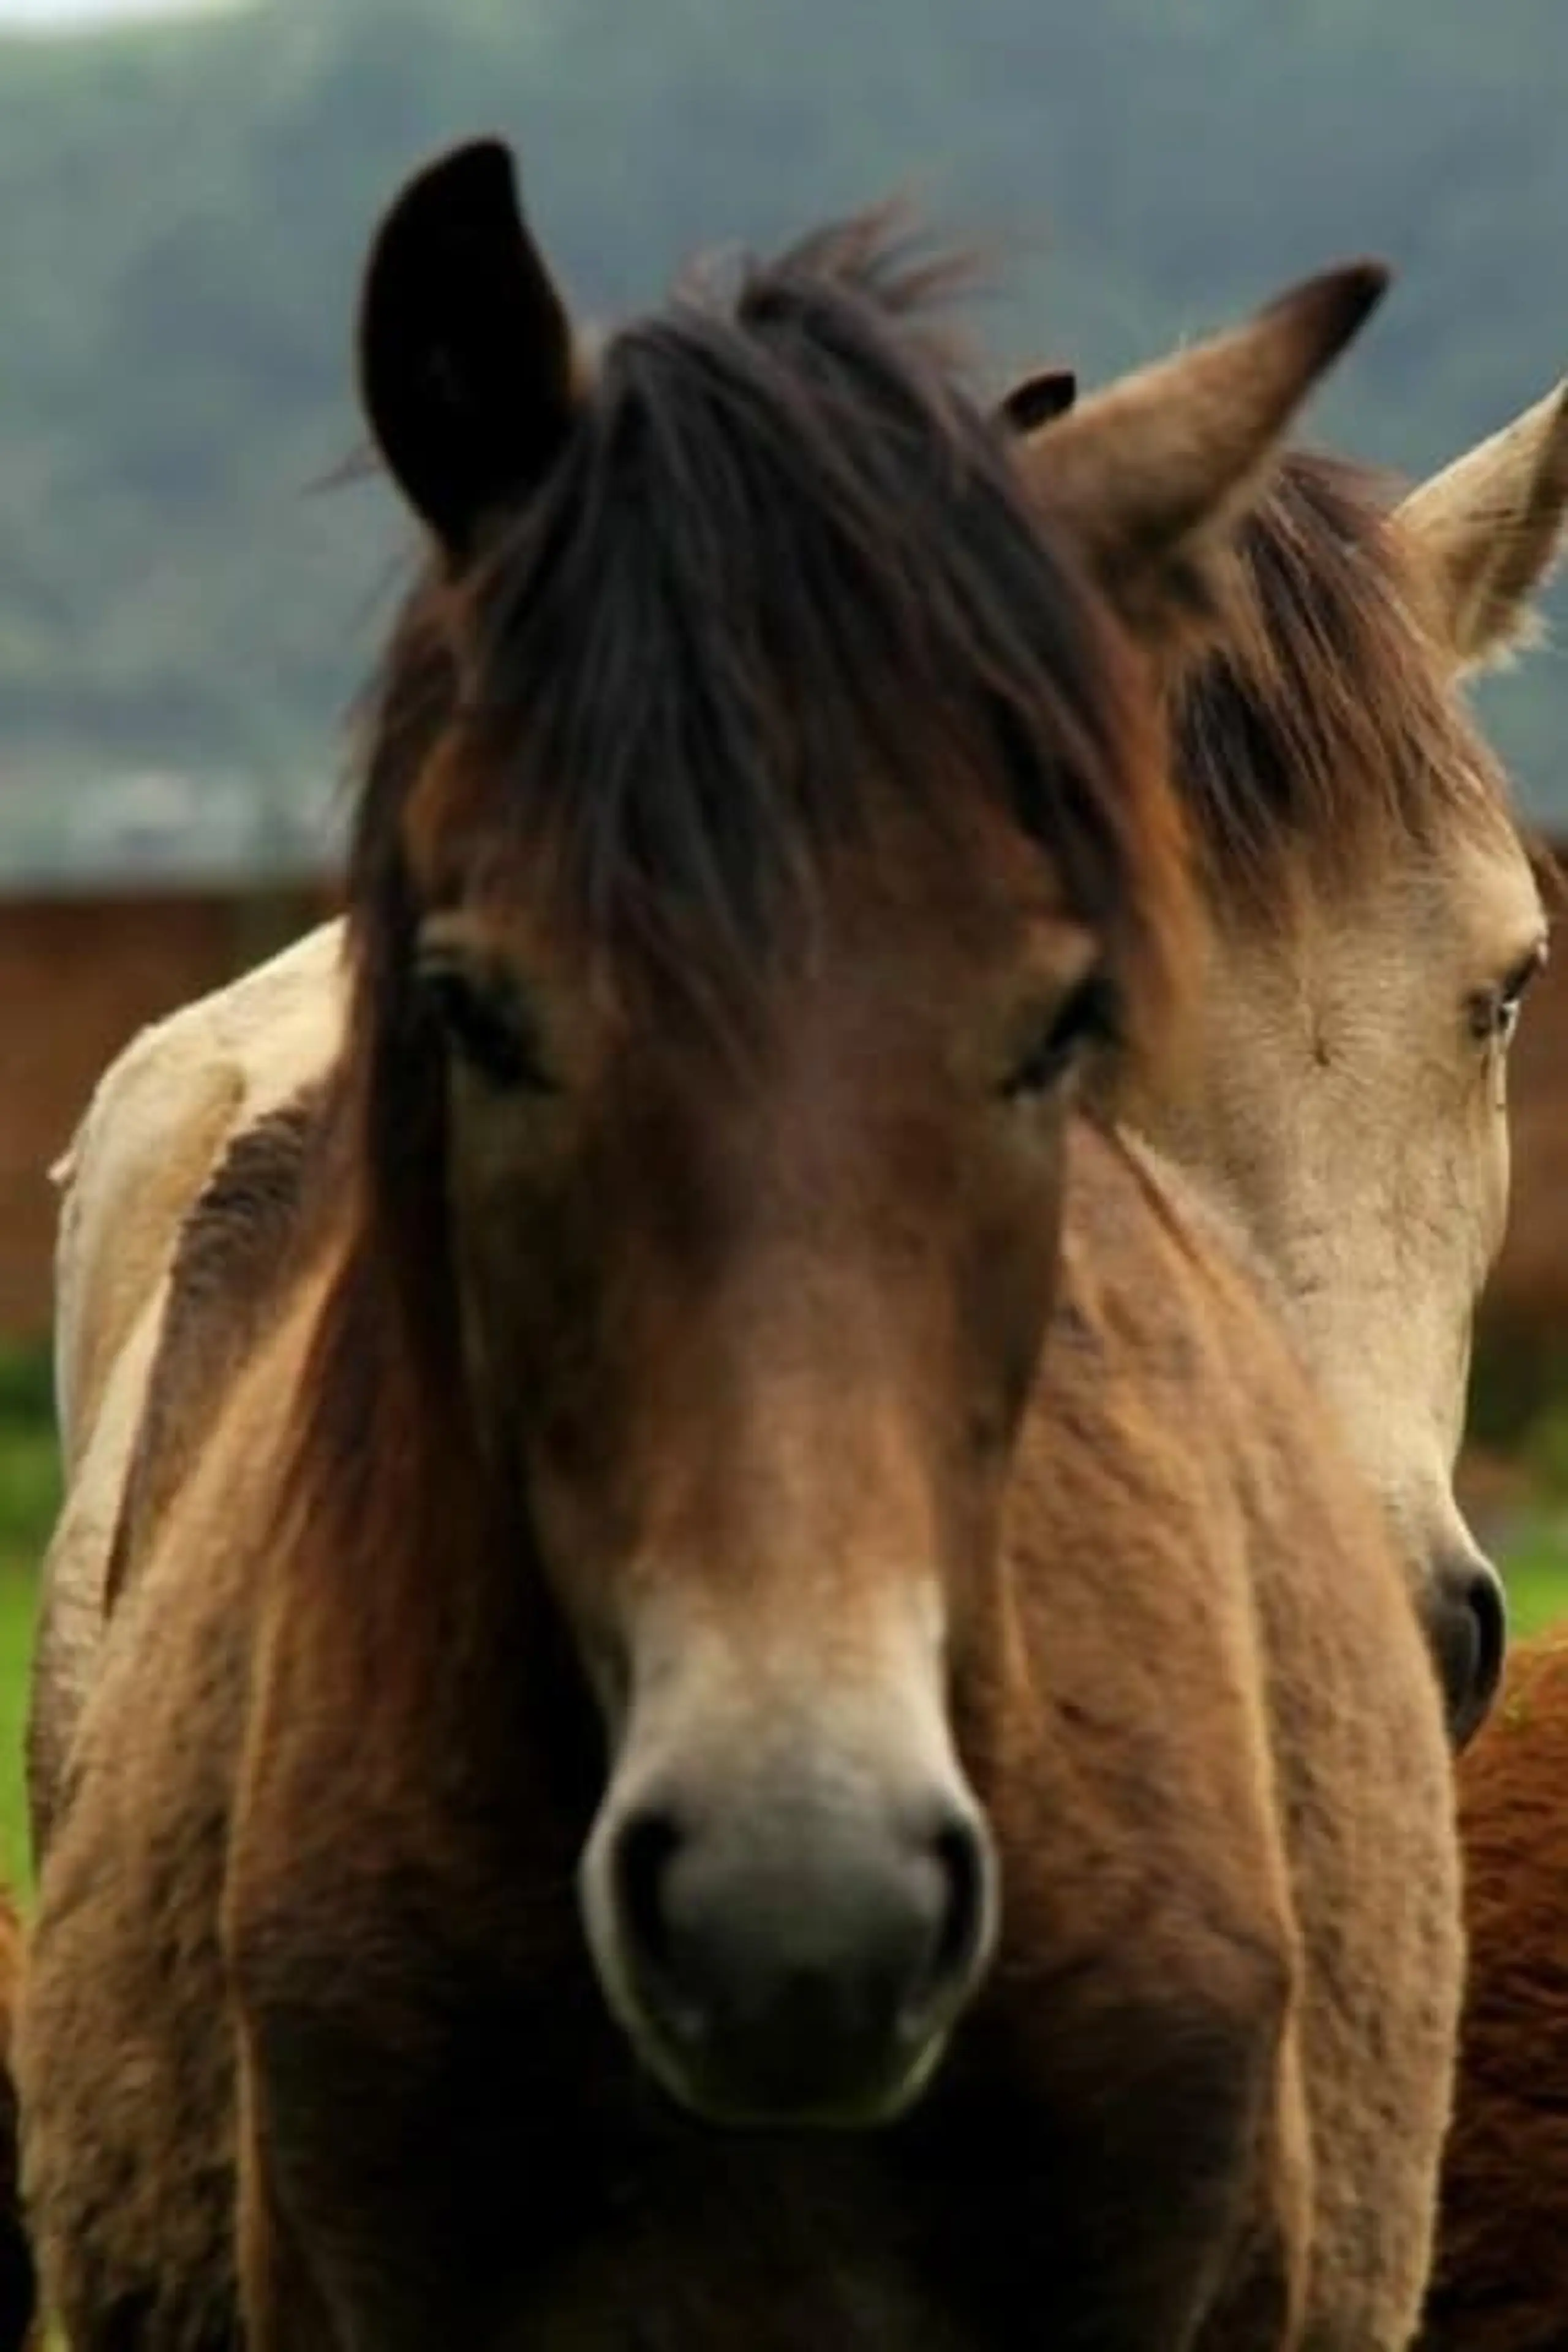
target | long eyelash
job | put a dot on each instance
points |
(1523, 973)
(1090, 1013)
(499, 1048)
(1494, 1013)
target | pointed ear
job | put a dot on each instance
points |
(465, 347)
(1037, 399)
(1151, 474)
(1486, 531)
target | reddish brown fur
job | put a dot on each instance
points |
(1501, 2284)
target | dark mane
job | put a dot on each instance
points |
(782, 555)
(783, 571)
(1323, 732)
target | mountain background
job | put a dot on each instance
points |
(186, 608)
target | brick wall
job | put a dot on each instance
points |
(77, 977)
(1524, 1331)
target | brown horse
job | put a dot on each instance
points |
(648, 1469)
(1501, 2279)
(1372, 925)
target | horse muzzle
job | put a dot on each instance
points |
(789, 1948)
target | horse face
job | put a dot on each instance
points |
(752, 1311)
(751, 1291)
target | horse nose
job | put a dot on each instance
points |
(798, 1970)
(1466, 1624)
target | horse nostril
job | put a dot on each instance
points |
(646, 1848)
(1470, 1638)
(1487, 1607)
(960, 1856)
(791, 1958)
(1492, 1617)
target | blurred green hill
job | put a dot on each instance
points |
(183, 209)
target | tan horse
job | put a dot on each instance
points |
(1376, 924)
(1372, 926)
(650, 1468)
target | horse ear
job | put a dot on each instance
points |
(1487, 529)
(465, 346)
(1037, 399)
(1151, 474)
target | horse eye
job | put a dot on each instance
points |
(484, 1025)
(1494, 1014)
(1087, 1015)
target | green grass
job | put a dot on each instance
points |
(29, 1497)
(17, 1590)
(1535, 1568)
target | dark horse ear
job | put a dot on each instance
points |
(465, 347)
(1034, 402)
